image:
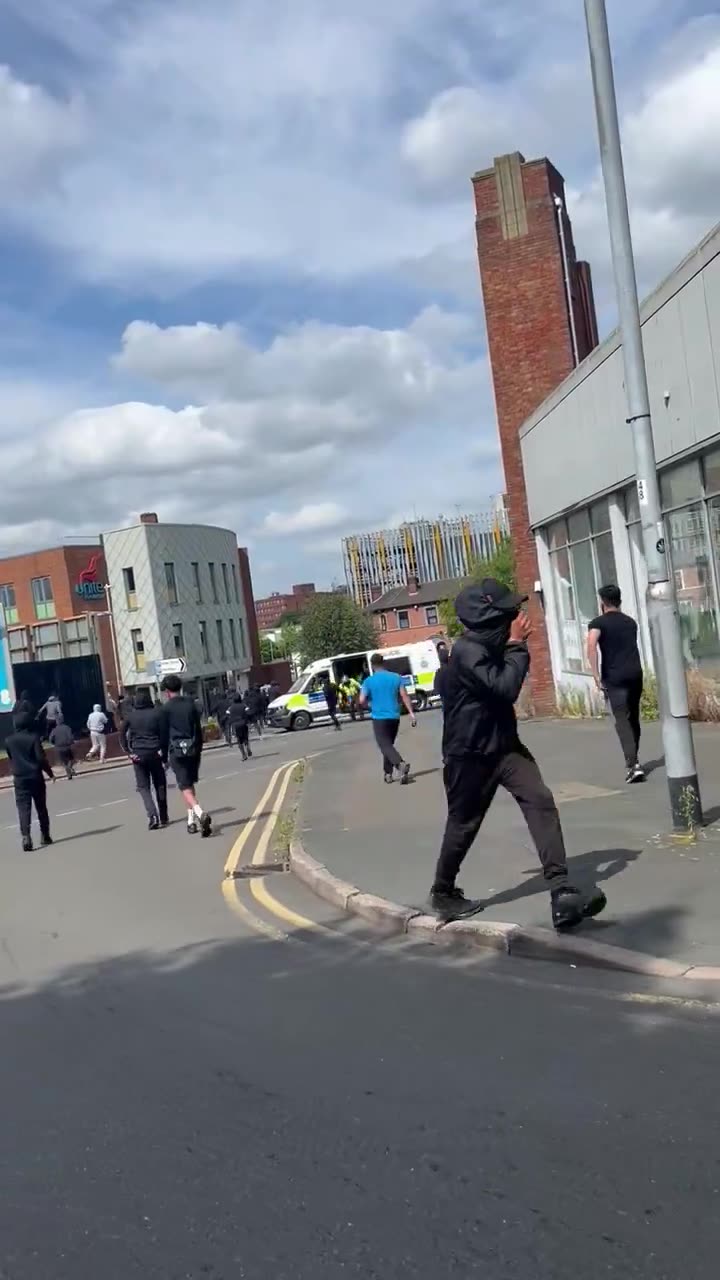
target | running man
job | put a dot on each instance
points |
(182, 744)
(62, 740)
(28, 764)
(141, 738)
(482, 751)
(613, 637)
(97, 724)
(331, 697)
(386, 694)
(237, 719)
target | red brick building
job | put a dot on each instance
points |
(271, 609)
(540, 316)
(55, 605)
(246, 587)
(407, 614)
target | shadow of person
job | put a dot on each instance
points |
(650, 766)
(596, 866)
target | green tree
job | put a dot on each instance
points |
(500, 565)
(334, 624)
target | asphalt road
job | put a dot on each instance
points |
(190, 1090)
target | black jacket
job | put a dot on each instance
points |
(142, 730)
(26, 755)
(237, 713)
(181, 723)
(62, 737)
(484, 677)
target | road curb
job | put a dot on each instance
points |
(495, 935)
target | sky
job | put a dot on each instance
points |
(239, 282)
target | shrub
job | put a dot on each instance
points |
(575, 704)
(649, 704)
(703, 697)
(500, 565)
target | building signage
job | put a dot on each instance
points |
(87, 584)
(7, 683)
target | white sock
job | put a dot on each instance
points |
(191, 817)
(197, 810)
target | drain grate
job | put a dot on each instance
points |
(251, 871)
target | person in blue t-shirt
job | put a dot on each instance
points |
(385, 693)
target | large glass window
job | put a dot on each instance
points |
(693, 537)
(43, 600)
(582, 560)
(7, 600)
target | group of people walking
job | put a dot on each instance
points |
(238, 711)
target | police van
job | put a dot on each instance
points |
(305, 703)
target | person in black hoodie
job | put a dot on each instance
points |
(439, 682)
(182, 744)
(237, 718)
(62, 740)
(29, 766)
(141, 737)
(482, 751)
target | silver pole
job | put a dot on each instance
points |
(662, 605)
(113, 639)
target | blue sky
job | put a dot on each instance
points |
(239, 281)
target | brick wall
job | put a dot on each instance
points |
(529, 338)
(418, 629)
(246, 587)
(63, 566)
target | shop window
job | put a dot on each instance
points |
(582, 560)
(694, 583)
(7, 600)
(42, 594)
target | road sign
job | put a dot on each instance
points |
(171, 666)
(7, 683)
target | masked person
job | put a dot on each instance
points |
(482, 751)
(62, 740)
(141, 737)
(331, 697)
(182, 744)
(29, 766)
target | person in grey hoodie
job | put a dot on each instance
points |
(97, 724)
(62, 740)
(53, 713)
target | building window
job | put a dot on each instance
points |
(383, 622)
(241, 625)
(130, 593)
(171, 584)
(582, 560)
(138, 649)
(693, 529)
(196, 582)
(47, 642)
(205, 647)
(233, 638)
(235, 582)
(403, 619)
(7, 600)
(178, 640)
(78, 638)
(431, 615)
(20, 644)
(213, 583)
(226, 582)
(221, 638)
(42, 593)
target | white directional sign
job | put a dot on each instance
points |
(171, 666)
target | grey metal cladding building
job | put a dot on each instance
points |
(579, 471)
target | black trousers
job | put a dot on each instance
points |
(332, 712)
(470, 786)
(386, 731)
(66, 756)
(242, 737)
(29, 792)
(149, 774)
(624, 702)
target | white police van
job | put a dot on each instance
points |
(305, 704)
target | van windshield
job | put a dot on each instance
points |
(298, 685)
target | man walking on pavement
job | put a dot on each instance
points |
(182, 744)
(62, 740)
(331, 697)
(141, 738)
(482, 751)
(385, 693)
(237, 719)
(613, 638)
(29, 764)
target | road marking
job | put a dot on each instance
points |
(229, 885)
(107, 803)
(233, 859)
(258, 889)
(70, 813)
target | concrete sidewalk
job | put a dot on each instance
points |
(662, 899)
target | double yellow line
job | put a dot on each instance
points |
(257, 886)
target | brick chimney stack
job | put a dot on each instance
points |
(530, 341)
(148, 517)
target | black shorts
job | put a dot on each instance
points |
(186, 770)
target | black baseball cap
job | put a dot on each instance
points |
(488, 594)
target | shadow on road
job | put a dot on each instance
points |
(596, 866)
(83, 835)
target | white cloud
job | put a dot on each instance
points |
(310, 518)
(37, 134)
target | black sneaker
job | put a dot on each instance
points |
(27, 845)
(567, 907)
(638, 774)
(594, 901)
(164, 822)
(404, 774)
(387, 777)
(45, 841)
(452, 904)
(205, 826)
(154, 823)
(192, 828)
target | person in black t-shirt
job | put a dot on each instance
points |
(614, 659)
